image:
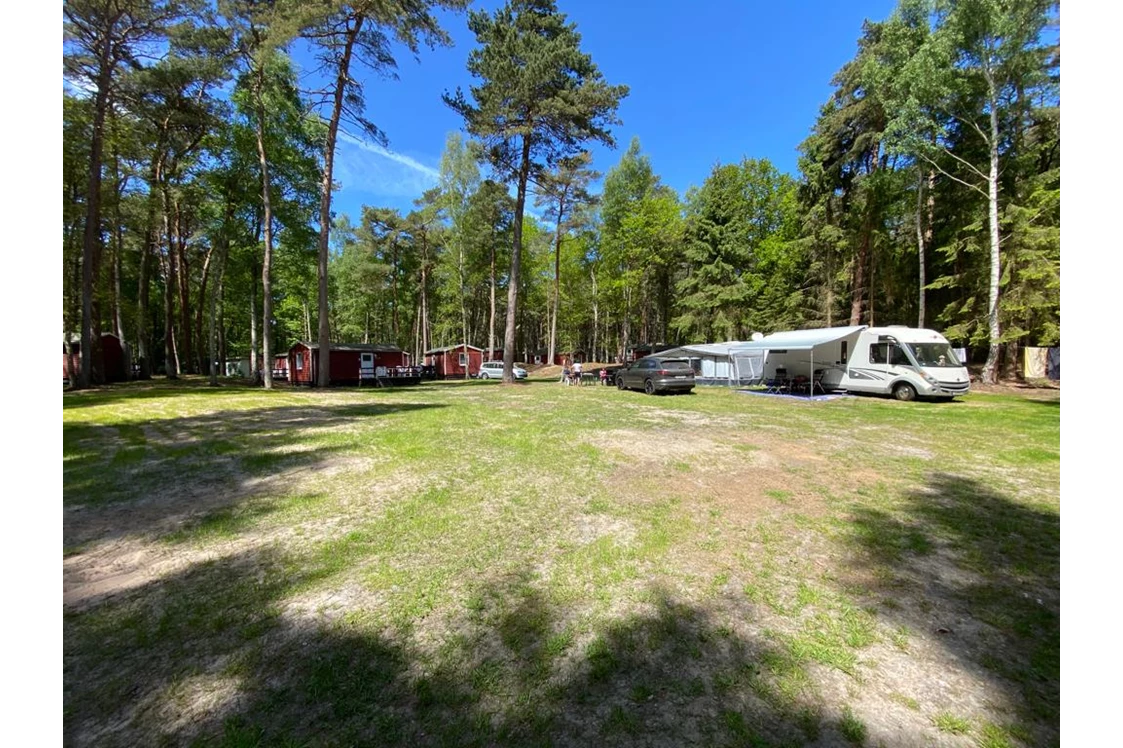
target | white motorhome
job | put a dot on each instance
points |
(904, 362)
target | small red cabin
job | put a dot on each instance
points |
(451, 362)
(640, 350)
(112, 362)
(281, 366)
(560, 357)
(351, 363)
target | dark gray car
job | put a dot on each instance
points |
(654, 374)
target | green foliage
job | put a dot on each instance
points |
(538, 90)
(739, 256)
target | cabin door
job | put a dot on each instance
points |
(366, 366)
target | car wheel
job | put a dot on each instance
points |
(483, 375)
(904, 391)
(620, 383)
(649, 387)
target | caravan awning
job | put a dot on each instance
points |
(800, 340)
(703, 349)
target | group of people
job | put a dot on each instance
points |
(571, 373)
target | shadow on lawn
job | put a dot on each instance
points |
(983, 572)
(216, 656)
(157, 470)
(155, 388)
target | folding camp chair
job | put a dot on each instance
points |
(779, 384)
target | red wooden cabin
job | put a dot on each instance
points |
(281, 366)
(645, 349)
(450, 362)
(540, 356)
(112, 363)
(348, 361)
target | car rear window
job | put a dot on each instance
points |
(675, 363)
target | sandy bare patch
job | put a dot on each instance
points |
(651, 447)
(114, 560)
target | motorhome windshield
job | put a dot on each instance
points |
(934, 354)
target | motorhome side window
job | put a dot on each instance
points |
(897, 357)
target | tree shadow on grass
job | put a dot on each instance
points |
(982, 572)
(136, 477)
(159, 388)
(223, 654)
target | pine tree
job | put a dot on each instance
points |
(540, 99)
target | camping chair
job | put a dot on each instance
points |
(817, 382)
(779, 384)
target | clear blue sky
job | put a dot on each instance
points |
(711, 82)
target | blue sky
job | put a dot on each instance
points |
(711, 82)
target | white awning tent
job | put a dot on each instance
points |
(722, 363)
(803, 352)
(742, 363)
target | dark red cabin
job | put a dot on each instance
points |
(112, 363)
(450, 362)
(351, 363)
(281, 366)
(645, 349)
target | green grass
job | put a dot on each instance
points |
(477, 564)
(852, 728)
(950, 723)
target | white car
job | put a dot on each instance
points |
(494, 370)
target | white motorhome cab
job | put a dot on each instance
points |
(904, 362)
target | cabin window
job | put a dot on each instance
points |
(897, 357)
(463, 359)
(299, 363)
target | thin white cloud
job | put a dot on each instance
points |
(370, 168)
(367, 169)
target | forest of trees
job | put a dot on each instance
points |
(197, 191)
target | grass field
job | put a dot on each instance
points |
(480, 564)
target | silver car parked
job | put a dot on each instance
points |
(494, 370)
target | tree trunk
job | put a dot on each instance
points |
(516, 256)
(151, 240)
(596, 311)
(118, 314)
(871, 293)
(858, 273)
(253, 321)
(212, 342)
(920, 250)
(204, 367)
(222, 318)
(463, 307)
(91, 245)
(426, 329)
(267, 263)
(990, 369)
(184, 270)
(491, 313)
(625, 325)
(323, 375)
(557, 278)
(171, 363)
